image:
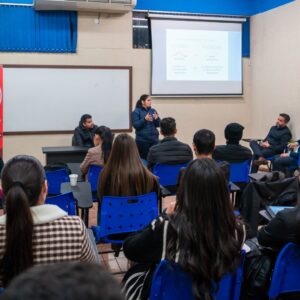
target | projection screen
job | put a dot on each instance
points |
(196, 57)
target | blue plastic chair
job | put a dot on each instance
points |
(93, 175)
(168, 174)
(239, 172)
(55, 179)
(170, 282)
(286, 274)
(65, 201)
(124, 215)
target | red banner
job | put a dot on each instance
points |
(1, 111)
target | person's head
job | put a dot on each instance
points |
(282, 120)
(205, 225)
(124, 173)
(86, 121)
(204, 143)
(104, 136)
(233, 133)
(144, 101)
(73, 280)
(24, 185)
(168, 127)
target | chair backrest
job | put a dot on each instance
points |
(239, 172)
(55, 179)
(125, 214)
(65, 202)
(93, 175)
(286, 274)
(170, 282)
(168, 174)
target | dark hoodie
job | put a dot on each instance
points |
(83, 137)
(232, 152)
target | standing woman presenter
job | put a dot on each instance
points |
(145, 120)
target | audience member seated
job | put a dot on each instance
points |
(76, 281)
(84, 133)
(204, 145)
(275, 142)
(99, 154)
(282, 229)
(287, 162)
(204, 245)
(32, 232)
(169, 150)
(232, 152)
(124, 173)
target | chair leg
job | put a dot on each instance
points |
(160, 205)
(85, 216)
(270, 165)
(116, 248)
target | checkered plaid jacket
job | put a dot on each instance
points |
(57, 237)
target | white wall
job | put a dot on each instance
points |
(275, 71)
(110, 43)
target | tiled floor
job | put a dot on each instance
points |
(109, 261)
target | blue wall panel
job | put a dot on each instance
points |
(223, 7)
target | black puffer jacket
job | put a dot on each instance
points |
(169, 151)
(233, 153)
(83, 137)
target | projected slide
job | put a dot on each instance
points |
(197, 55)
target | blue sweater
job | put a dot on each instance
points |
(145, 130)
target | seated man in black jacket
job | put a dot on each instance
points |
(169, 150)
(204, 145)
(232, 152)
(282, 229)
(84, 133)
(275, 142)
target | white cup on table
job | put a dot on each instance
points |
(73, 179)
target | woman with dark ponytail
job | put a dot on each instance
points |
(32, 232)
(145, 120)
(201, 233)
(99, 154)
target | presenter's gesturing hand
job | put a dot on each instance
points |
(155, 116)
(148, 118)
